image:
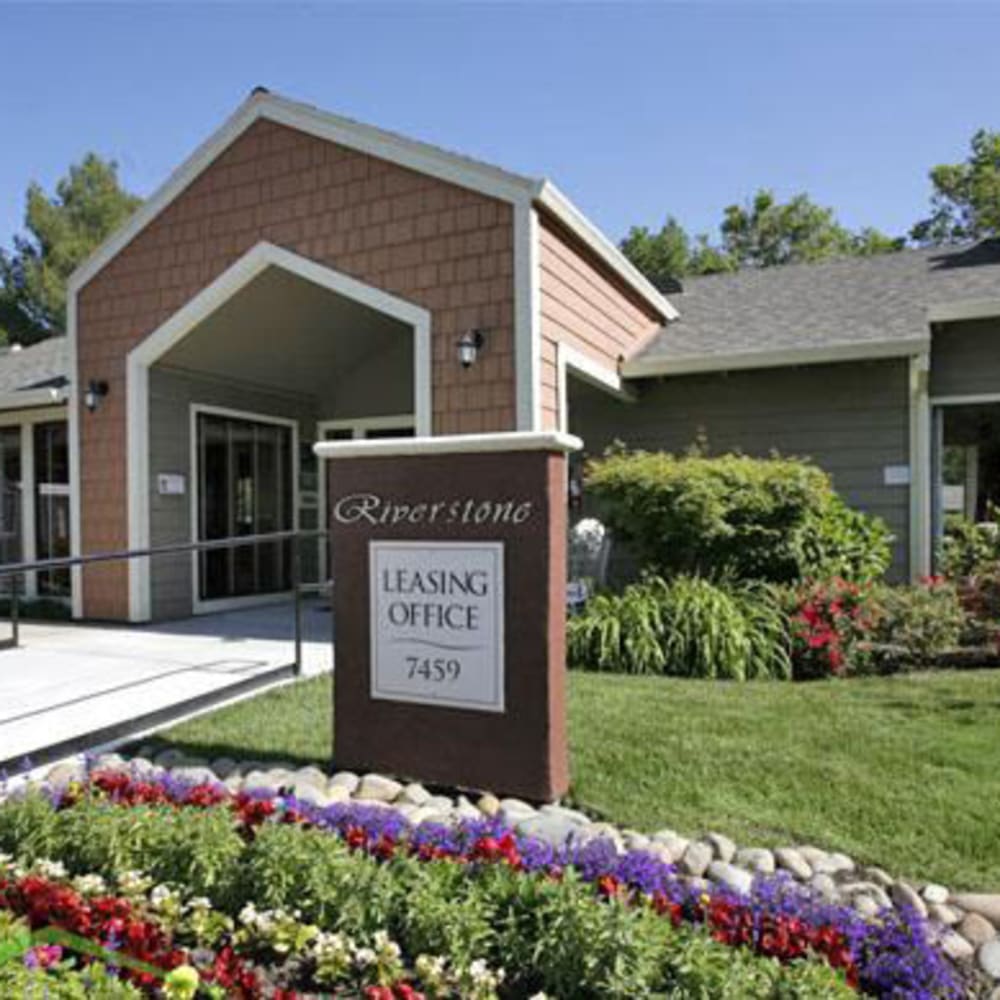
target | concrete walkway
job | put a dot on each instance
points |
(68, 687)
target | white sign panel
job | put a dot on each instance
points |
(170, 484)
(896, 475)
(437, 623)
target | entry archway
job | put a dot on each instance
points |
(361, 320)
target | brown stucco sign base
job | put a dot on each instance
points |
(450, 658)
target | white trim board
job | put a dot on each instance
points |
(198, 606)
(423, 157)
(961, 309)
(920, 465)
(584, 367)
(971, 400)
(644, 367)
(450, 444)
(178, 326)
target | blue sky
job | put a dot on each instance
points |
(634, 110)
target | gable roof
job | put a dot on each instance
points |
(841, 309)
(27, 374)
(423, 157)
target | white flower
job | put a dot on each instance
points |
(160, 894)
(50, 869)
(90, 885)
(363, 957)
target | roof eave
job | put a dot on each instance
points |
(647, 367)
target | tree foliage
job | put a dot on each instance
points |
(60, 232)
(965, 204)
(762, 232)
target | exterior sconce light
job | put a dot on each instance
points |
(469, 347)
(96, 391)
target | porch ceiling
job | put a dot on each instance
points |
(285, 332)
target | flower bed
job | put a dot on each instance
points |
(302, 894)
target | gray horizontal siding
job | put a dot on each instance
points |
(965, 358)
(851, 419)
(171, 395)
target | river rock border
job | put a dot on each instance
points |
(969, 922)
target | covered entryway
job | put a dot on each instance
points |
(225, 401)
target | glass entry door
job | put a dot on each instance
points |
(245, 487)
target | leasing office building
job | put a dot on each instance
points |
(303, 276)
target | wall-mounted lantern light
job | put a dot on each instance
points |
(469, 347)
(96, 391)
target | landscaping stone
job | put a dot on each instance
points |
(989, 958)
(755, 859)
(673, 849)
(813, 855)
(985, 904)
(224, 767)
(976, 929)
(570, 815)
(737, 879)
(516, 809)
(63, 774)
(824, 885)
(464, 809)
(696, 858)
(905, 895)
(956, 947)
(345, 779)
(440, 803)
(378, 788)
(878, 876)
(414, 794)
(722, 847)
(866, 905)
(968, 922)
(488, 804)
(934, 893)
(636, 841)
(945, 914)
(168, 757)
(195, 775)
(791, 860)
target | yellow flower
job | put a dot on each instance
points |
(181, 983)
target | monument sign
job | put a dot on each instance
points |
(449, 568)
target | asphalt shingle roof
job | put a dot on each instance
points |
(850, 301)
(35, 367)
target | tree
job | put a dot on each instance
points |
(662, 257)
(60, 232)
(764, 232)
(965, 204)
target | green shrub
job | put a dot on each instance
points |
(774, 519)
(689, 627)
(969, 548)
(197, 848)
(843, 542)
(922, 622)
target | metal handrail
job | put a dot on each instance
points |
(16, 570)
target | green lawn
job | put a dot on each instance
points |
(903, 772)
